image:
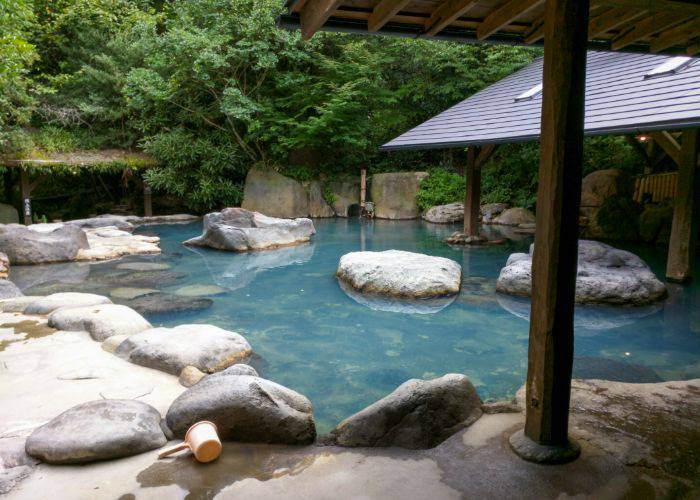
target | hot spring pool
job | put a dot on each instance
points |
(312, 337)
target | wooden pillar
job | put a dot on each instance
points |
(26, 196)
(363, 187)
(681, 246)
(550, 354)
(472, 199)
(147, 200)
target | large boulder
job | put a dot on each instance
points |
(318, 207)
(101, 321)
(245, 408)
(8, 214)
(606, 275)
(514, 217)
(400, 274)
(607, 190)
(4, 265)
(418, 414)
(207, 348)
(394, 194)
(239, 230)
(445, 214)
(275, 195)
(97, 430)
(655, 223)
(9, 290)
(490, 211)
(41, 243)
(48, 304)
(346, 197)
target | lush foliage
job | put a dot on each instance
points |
(439, 188)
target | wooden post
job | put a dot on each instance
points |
(26, 196)
(472, 197)
(550, 354)
(147, 200)
(681, 246)
(363, 187)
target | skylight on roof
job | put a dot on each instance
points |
(526, 96)
(669, 67)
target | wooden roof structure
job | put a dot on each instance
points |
(620, 99)
(657, 26)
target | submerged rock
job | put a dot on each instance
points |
(42, 243)
(97, 430)
(445, 214)
(48, 304)
(394, 194)
(9, 290)
(418, 414)
(129, 293)
(274, 194)
(101, 321)
(240, 230)
(245, 408)
(166, 303)
(591, 367)
(206, 347)
(199, 290)
(400, 274)
(515, 217)
(398, 305)
(605, 275)
(144, 266)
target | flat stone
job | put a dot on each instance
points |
(166, 303)
(9, 290)
(101, 321)
(97, 430)
(245, 408)
(418, 414)
(240, 230)
(50, 303)
(206, 347)
(130, 292)
(400, 274)
(144, 266)
(106, 243)
(41, 243)
(605, 275)
(199, 290)
(445, 214)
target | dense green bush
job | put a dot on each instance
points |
(439, 188)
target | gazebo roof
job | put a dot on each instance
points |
(622, 97)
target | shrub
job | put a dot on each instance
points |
(439, 188)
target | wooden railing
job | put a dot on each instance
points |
(659, 186)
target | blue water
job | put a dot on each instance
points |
(311, 336)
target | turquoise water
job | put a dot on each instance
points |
(310, 335)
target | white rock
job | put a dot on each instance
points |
(48, 304)
(400, 274)
(102, 321)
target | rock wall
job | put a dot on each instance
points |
(275, 195)
(394, 194)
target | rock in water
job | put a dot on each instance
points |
(166, 303)
(41, 243)
(102, 321)
(394, 194)
(9, 290)
(240, 230)
(418, 414)
(515, 217)
(207, 348)
(48, 304)
(445, 214)
(97, 430)
(605, 275)
(274, 194)
(245, 408)
(400, 274)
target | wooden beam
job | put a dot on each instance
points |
(26, 190)
(472, 199)
(314, 14)
(554, 263)
(669, 144)
(681, 246)
(446, 13)
(646, 27)
(612, 19)
(485, 152)
(504, 16)
(383, 12)
(683, 7)
(147, 200)
(680, 35)
(536, 32)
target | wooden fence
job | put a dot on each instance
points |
(659, 186)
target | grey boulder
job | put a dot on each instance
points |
(274, 194)
(394, 194)
(490, 211)
(41, 243)
(245, 408)
(207, 348)
(400, 274)
(9, 290)
(97, 430)
(240, 230)
(514, 217)
(445, 214)
(48, 304)
(101, 321)
(419, 414)
(606, 275)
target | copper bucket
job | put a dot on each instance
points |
(201, 439)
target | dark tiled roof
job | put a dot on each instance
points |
(619, 100)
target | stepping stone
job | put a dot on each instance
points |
(206, 347)
(48, 304)
(101, 322)
(130, 292)
(97, 430)
(199, 290)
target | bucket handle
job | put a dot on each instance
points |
(173, 449)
